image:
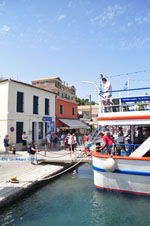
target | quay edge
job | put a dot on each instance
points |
(18, 192)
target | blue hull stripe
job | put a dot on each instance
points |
(123, 171)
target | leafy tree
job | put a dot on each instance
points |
(86, 101)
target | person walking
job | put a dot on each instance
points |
(24, 141)
(6, 144)
(62, 140)
(86, 139)
(71, 143)
(48, 139)
(75, 141)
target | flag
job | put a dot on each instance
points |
(125, 86)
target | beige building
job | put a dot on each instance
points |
(55, 84)
(88, 112)
(24, 107)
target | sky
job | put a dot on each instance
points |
(76, 40)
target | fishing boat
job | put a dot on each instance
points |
(128, 174)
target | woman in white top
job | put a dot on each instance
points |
(71, 142)
(24, 141)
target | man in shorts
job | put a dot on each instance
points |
(107, 92)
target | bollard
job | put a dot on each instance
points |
(45, 149)
(13, 149)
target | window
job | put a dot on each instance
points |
(73, 111)
(40, 130)
(19, 132)
(45, 82)
(20, 96)
(61, 109)
(58, 84)
(37, 83)
(46, 106)
(35, 104)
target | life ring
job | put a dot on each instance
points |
(109, 165)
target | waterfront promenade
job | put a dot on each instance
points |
(30, 176)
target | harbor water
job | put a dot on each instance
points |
(71, 200)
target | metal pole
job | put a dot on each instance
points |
(98, 92)
(45, 149)
(90, 107)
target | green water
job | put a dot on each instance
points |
(71, 200)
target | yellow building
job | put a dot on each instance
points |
(89, 113)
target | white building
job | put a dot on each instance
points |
(24, 107)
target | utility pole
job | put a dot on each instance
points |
(90, 106)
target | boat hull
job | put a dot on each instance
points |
(131, 175)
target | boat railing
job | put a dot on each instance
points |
(125, 107)
(125, 149)
(126, 104)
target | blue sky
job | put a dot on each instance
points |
(76, 40)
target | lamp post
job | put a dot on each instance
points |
(98, 92)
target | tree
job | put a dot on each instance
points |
(84, 101)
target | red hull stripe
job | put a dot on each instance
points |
(125, 117)
(99, 155)
(124, 191)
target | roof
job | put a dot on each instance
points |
(41, 79)
(71, 86)
(26, 84)
(87, 107)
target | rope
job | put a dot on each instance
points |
(53, 157)
(50, 177)
(47, 178)
(56, 156)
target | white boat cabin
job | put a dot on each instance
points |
(131, 110)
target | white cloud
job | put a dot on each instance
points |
(61, 17)
(4, 29)
(136, 42)
(129, 24)
(108, 15)
(142, 19)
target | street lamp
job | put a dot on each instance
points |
(98, 92)
(93, 83)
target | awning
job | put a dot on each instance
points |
(74, 124)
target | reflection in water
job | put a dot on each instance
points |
(71, 200)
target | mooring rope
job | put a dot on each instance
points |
(53, 176)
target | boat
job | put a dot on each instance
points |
(125, 174)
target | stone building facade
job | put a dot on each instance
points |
(25, 108)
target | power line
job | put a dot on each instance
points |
(129, 73)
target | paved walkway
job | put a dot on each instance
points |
(28, 174)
